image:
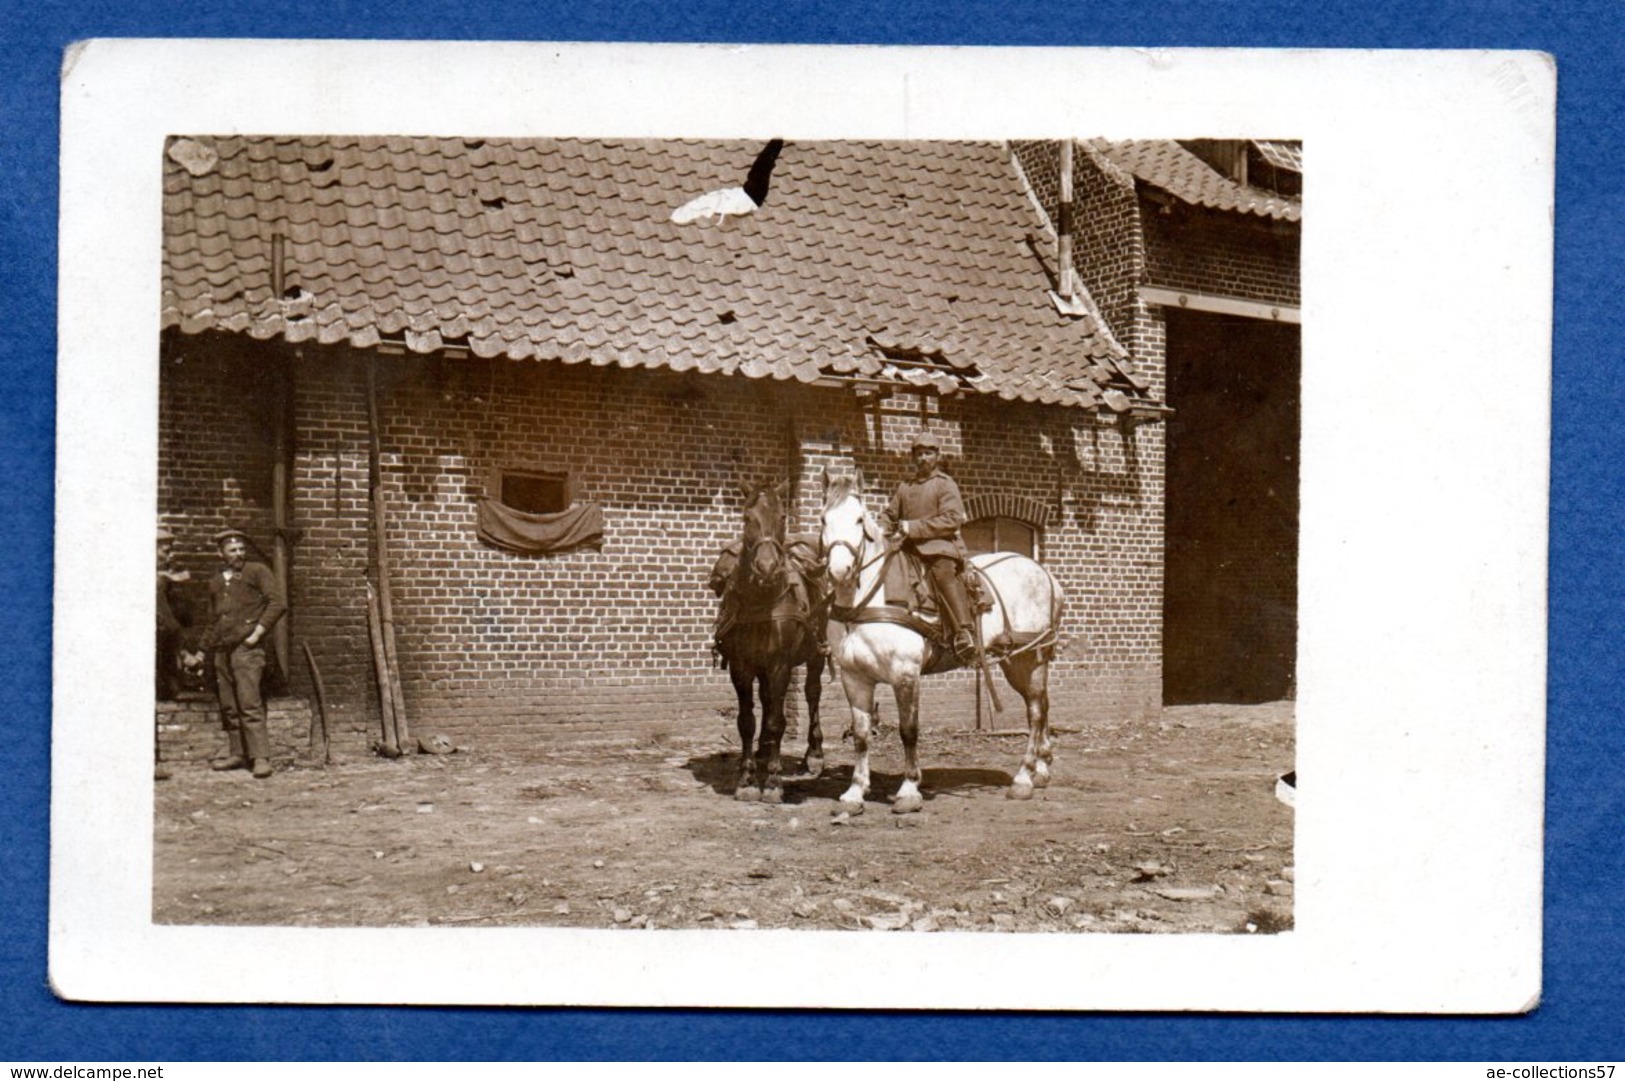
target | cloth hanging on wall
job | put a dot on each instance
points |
(536, 534)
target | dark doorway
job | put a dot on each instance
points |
(1230, 609)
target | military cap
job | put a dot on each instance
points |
(229, 532)
(925, 439)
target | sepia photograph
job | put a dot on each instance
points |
(892, 539)
(835, 535)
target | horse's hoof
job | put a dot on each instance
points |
(907, 805)
(1040, 780)
(851, 807)
(1019, 791)
(747, 794)
(772, 795)
(813, 767)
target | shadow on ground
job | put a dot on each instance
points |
(720, 772)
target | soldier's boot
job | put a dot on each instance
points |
(956, 605)
(234, 758)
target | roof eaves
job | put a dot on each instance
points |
(439, 274)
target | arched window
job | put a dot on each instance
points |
(1005, 523)
(1000, 534)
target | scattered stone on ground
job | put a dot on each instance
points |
(1147, 827)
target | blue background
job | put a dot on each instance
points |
(1581, 1014)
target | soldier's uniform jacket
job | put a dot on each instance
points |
(931, 511)
(248, 597)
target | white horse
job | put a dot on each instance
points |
(1020, 631)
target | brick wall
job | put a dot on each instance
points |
(1102, 486)
(498, 649)
(215, 444)
(496, 646)
(1108, 251)
(1235, 255)
(1123, 240)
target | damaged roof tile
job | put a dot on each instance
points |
(565, 249)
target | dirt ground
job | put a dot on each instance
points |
(1164, 826)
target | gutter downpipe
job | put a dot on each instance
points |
(282, 415)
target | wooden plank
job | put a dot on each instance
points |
(1220, 305)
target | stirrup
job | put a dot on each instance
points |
(964, 647)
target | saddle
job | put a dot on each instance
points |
(806, 596)
(913, 600)
(910, 599)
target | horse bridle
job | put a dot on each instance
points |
(747, 557)
(779, 549)
(859, 563)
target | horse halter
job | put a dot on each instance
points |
(749, 551)
(859, 564)
(752, 572)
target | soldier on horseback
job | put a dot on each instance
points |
(926, 513)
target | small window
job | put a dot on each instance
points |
(534, 492)
(1001, 534)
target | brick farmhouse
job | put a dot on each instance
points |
(528, 335)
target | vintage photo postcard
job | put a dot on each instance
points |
(802, 527)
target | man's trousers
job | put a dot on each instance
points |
(242, 710)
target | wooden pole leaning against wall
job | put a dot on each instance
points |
(388, 744)
(321, 708)
(390, 675)
(386, 611)
(282, 451)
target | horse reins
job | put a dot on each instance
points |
(1043, 641)
(861, 565)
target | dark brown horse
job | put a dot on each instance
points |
(773, 620)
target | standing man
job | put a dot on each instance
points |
(169, 631)
(244, 604)
(926, 513)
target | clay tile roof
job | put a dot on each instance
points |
(1281, 154)
(566, 250)
(1165, 164)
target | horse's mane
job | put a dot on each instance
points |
(841, 488)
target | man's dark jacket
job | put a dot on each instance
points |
(251, 598)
